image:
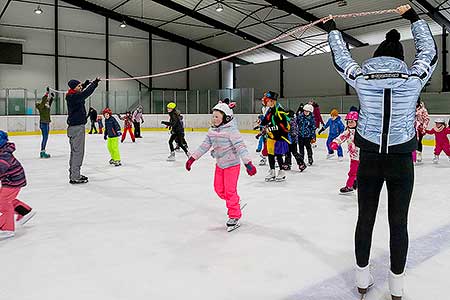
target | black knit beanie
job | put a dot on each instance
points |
(391, 46)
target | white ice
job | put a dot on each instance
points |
(152, 230)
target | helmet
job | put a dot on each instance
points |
(308, 107)
(171, 105)
(3, 138)
(226, 110)
(353, 115)
(334, 112)
(107, 110)
(439, 120)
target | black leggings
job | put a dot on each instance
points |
(293, 152)
(302, 143)
(179, 139)
(137, 129)
(419, 142)
(272, 160)
(398, 172)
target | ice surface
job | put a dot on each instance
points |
(151, 230)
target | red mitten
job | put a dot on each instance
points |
(251, 170)
(334, 145)
(189, 163)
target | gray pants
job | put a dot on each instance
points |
(76, 136)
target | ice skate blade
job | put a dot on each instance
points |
(347, 194)
(26, 218)
(232, 228)
(280, 179)
(270, 179)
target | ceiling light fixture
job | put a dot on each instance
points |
(38, 10)
(219, 7)
(123, 24)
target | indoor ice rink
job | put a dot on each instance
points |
(196, 71)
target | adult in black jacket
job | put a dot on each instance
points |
(76, 119)
(92, 116)
(176, 129)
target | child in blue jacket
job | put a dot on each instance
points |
(306, 133)
(336, 128)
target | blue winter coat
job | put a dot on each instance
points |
(336, 127)
(112, 127)
(388, 91)
(306, 126)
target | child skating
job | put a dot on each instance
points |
(112, 133)
(176, 130)
(440, 132)
(12, 178)
(229, 149)
(349, 136)
(306, 133)
(127, 126)
(336, 128)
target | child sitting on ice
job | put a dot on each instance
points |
(440, 132)
(349, 136)
(229, 149)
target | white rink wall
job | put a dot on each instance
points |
(245, 122)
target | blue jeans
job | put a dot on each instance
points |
(330, 151)
(45, 127)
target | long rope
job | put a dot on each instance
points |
(283, 36)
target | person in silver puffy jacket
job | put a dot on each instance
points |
(388, 91)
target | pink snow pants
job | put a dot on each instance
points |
(354, 164)
(442, 146)
(225, 185)
(8, 202)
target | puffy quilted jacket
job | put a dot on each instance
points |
(388, 91)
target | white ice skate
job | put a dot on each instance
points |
(233, 224)
(281, 176)
(396, 285)
(21, 221)
(418, 157)
(340, 158)
(5, 234)
(171, 157)
(270, 175)
(364, 280)
(330, 156)
(436, 159)
(262, 162)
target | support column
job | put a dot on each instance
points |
(220, 75)
(107, 59)
(234, 76)
(445, 83)
(281, 76)
(188, 73)
(58, 99)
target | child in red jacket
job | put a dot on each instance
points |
(12, 177)
(127, 126)
(440, 132)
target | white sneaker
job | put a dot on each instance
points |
(281, 176)
(171, 157)
(396, 285)
(270, 175)
(436, 159)
(330, 156)
(4, 234)
(364, 279)
(26, 218)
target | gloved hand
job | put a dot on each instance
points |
(105, 137)
(142, 122)
(48, 89)
(119, 133)
(97, 80)
(334, 145)
(329, 25)
(53, 95)
(251, 170)
(189, 163)
(321, 130)
(407, 12)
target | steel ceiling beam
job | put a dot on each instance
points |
(154, 30)
(434, 13)
(219, 25)
(299, 12)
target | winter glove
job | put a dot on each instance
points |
(97, 80)
(408, 13)
(165, 123)
(189, 163)
(119, 133)
(251, 170)
(329, 25)
(321, 130)
(334, 146)
(48, 89)
(105, 137)
(53, 95)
